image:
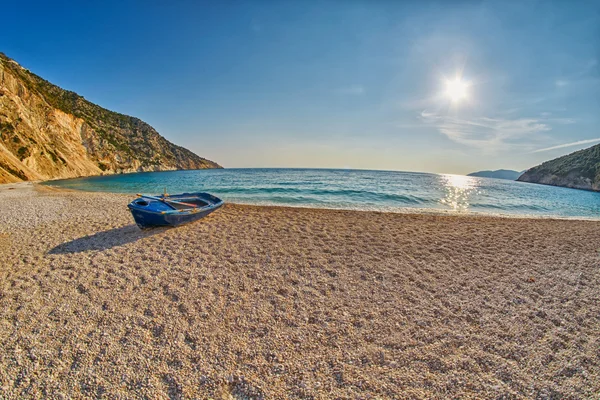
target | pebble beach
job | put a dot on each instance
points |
(258, 302)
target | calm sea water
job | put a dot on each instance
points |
(357, 189)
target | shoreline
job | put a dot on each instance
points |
(279, 302)
(405, 210)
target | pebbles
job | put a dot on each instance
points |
(268, 302)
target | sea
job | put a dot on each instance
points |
(388, 191)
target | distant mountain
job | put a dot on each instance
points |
(498, 174)
(578, 170)
(47, 132)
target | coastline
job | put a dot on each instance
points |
(395, 210)
(292, 302)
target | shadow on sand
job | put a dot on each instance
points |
(106, 239)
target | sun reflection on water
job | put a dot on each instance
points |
(459, 190)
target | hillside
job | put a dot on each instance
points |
(498, 174)
(47, 132)
(579, 170)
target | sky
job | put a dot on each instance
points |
(331, 84)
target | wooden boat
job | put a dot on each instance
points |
(172, 210)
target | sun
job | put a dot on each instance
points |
(457, 89)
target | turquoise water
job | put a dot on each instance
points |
(358, 189)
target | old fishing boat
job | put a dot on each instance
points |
(172, 210)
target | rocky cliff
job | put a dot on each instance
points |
(47, 132)
(579, 170)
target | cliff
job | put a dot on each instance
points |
(579, 170)
(47, 132)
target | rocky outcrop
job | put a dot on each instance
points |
(579, 170)
(47, 132)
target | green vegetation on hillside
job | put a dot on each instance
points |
(115, 141)
(579, 169)
(585, 162)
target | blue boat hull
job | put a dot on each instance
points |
(148, 211)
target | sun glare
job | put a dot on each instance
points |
(457, 89)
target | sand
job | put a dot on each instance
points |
(269, 302)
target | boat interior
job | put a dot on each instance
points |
(196, 202)
(183, 204)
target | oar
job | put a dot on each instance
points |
(168, 201)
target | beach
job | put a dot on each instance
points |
(275, 302)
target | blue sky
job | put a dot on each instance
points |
(331, 83)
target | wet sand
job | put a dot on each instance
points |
(270, 302)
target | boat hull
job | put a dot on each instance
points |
(149, 213)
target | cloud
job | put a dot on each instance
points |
(352, 90)
(488, 134)
(572, 144)
(565, 121)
